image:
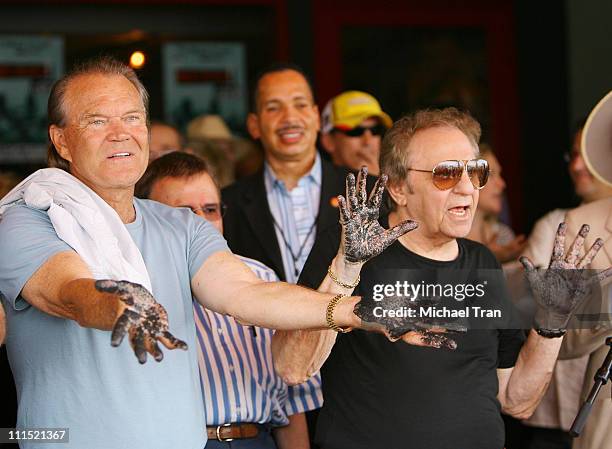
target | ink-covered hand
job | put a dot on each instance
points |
(143, 318)
(561, 288)
(362, 236)
(412, 326)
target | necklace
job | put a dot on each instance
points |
(295, 257)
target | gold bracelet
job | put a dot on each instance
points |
(339, 282)
(329, 315)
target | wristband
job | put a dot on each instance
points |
(551, 333)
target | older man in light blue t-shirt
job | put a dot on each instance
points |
(60, 308)
(68, 375)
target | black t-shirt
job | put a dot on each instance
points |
(380, 394)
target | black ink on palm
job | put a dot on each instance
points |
(362, 236)
(144, 320)
(566, 283)
(436, 332)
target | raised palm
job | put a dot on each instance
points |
(564, 285)
(362, 236)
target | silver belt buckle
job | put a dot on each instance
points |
(218, 432)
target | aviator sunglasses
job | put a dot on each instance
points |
(446, 174)
(358, 131)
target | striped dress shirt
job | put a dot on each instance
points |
(295, 214)
(236, 371)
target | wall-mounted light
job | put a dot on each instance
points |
(137, 60)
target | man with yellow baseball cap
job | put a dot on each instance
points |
(352, 125)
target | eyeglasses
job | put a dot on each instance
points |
(211, 211)
(446, 174)
(358, 131)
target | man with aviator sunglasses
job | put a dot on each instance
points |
(352, 126)
(380, 394)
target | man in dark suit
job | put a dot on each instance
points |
(276, 215)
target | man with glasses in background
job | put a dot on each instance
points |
(244, 399)
(352, 126)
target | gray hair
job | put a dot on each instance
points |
(394, 154)
(56, 111)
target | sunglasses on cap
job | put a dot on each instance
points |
(358, 131)
(447, 174)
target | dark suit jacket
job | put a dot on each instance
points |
(248, 226)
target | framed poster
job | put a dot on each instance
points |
(29, 65)
(204, 78)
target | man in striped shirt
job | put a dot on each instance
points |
(242, 394)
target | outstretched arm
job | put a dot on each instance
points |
(558, 291)
(226, 285)
(63, 287)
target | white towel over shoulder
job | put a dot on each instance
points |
(85, 222)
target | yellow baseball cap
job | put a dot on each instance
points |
(349, 109)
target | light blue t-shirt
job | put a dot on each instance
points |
(70, 376)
